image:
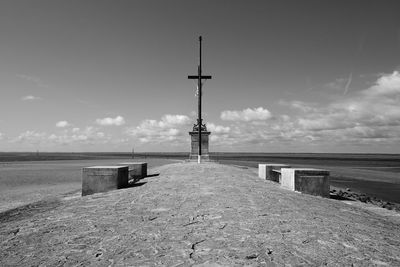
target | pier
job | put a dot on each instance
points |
(209, 214)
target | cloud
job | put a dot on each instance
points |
(220, 135)
(246, 114)
(363, 120)
(36, 80)
(175, 119)
(218, 129)
(62, 124)
(387, 85)
(30, 98)
(88, 135)
(372, 115)
(340, 84)
(117, 121)
(29, 136)
(373, 107)
(348, 83)
(171, 128)
(299, 105)
(1, 136)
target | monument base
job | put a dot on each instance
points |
(195, 157)
(194, 152)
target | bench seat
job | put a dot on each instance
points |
(98, 179)
(137, 170)
(271, 171)
(306, 180)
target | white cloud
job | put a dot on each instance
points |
(218, 129)
(29, 136)
(175, 119)
(367, 118)
(62, 124)
(246, 114)
(1, 136)
(89, 135)
(117, 121)
(171, 128)
(220, 135)
(387, 85)
(30, 98)
(376, 106)
(36, 80)
(300, 105)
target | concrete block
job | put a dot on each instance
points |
(103, 178)
(137, 170)
(305, 180)
(271, 171)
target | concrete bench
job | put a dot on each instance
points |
(137, 170)
(305, 180)
(103, 178)
(271, 171)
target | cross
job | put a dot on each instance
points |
(199, 78)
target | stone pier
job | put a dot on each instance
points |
(199, 215)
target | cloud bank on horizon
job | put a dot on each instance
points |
(368, 117)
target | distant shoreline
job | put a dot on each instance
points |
(363, 159)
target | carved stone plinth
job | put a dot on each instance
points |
(194, 152)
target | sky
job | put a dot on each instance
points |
(287, 76)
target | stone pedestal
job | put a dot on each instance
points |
(271, 171)
(137, 170)
(103, 178)
(194, 152)
(308, 181)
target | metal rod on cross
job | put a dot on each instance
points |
(199, 78)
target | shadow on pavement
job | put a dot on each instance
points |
(151, 175)
(137, 184)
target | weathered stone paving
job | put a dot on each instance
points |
(198, 215)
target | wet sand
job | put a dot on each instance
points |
(24, 182)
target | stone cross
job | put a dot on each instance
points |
(199, 77)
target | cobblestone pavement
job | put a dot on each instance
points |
(198, 215)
